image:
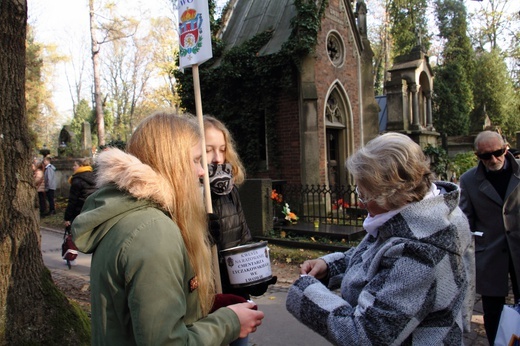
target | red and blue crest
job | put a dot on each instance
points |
(190, 32)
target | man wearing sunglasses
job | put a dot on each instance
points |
(490, 198)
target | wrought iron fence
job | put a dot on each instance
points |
(333, 205)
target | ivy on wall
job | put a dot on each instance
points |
(242, 88)
(443, 165)
(439, 162)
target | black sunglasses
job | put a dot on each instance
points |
(487, 156)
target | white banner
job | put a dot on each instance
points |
(508, 333)
(194, 33)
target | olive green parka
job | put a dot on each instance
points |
(142, 282)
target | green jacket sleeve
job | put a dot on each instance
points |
(162, 308)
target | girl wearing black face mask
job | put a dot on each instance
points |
(226, 172)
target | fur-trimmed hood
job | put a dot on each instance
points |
(128, 173)
(125, 185)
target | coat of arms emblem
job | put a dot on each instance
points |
(190, 32)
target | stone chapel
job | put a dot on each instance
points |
(334, 111)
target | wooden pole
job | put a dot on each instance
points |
(207, 191)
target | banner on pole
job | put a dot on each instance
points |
(194, 33)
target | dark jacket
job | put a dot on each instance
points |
(499, 221)
(83, 184)
(233, 226)
(233, 232)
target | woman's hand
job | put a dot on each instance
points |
(316, 267)
(249, 319)
(67, 223)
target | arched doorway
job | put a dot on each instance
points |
(332, 141)
(336, 111)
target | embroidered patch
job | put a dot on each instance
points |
(194, 283)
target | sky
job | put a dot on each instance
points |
(65, 23)
(59, 22)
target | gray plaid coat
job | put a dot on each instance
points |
(407, 286)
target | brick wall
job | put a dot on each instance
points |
(348, 73)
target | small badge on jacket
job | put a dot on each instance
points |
(194, 283)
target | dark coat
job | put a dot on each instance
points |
(233, 226)
(233, 232)
(499, 220)
(82, 185)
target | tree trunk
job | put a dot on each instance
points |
(32, 309)
(100, 116)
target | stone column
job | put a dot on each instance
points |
(398, 119)
(429, 118)
(310, 119)
(415, 107)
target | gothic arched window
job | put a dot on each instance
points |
(334, 110)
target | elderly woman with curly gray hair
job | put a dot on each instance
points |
(407, 281)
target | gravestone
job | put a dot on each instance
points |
(86, 140)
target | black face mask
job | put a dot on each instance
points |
(221, 180)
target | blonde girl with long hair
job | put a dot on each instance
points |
(151, 277)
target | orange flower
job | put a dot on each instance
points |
(275, 196)
(340, 203)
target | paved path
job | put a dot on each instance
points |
(51, 251)
(279, 328)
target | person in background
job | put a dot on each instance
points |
(491, 200)
(82, 184)
(406, 282)
(50, 183)
(146, 226)
(514, 152)
(226, 172)
(39, 183)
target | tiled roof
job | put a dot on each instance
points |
(249, 18)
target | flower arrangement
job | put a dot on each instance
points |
(340, 204)
(278, 200)
(289, 215)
